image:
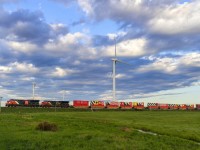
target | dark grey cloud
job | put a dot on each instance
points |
(23, 25)
(151, 82)
(174, 43)
(26, 26)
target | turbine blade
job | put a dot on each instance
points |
(123, 62)
(115, 49)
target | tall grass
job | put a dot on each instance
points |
(99, 129)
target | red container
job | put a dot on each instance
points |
(81, 104)
(152, 106)
(126, 105)
(182, 107)
(176, 106)
(163, 106)
(171, 106)
(112, 105)
(139, 105)
(97, 104)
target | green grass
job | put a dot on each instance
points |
(99, 130)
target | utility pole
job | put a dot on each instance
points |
(34, 84)
(64, 94)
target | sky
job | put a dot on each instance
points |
(66, 46)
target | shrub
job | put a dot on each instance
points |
(46, 126)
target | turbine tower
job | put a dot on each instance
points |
(115, 60)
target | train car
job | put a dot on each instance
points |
(62, 104)
(173, 106)
(138, 105)
(163, 106)
(152, 106)
(81, 104)
(31, 103)
(22, 103)
(190, 106)
(112, 105)
(182, 107)
(126, 105)
(97, 104)
(198, 106)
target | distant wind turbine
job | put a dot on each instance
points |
(34, 84)
(64, 94)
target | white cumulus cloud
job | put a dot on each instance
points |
(176, 19)
(128, 48)
(19, 67)
(60, 72)
(172, 65)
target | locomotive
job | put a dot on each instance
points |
(36, 103)
(22, 103)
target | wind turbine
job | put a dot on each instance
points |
(64, 94)
(115, 60)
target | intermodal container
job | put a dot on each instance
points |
(182, 107)
(152, 106)
(173, 106)
(80, 104)
(190, 106)
(138, 105)
(126, 105)
(97, 104)
(163, 106)
(112, 105)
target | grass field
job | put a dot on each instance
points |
(99, 130)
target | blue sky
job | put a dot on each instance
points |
(67, 45)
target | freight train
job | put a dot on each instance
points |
(97, 104)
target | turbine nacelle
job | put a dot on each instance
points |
(114, 59)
